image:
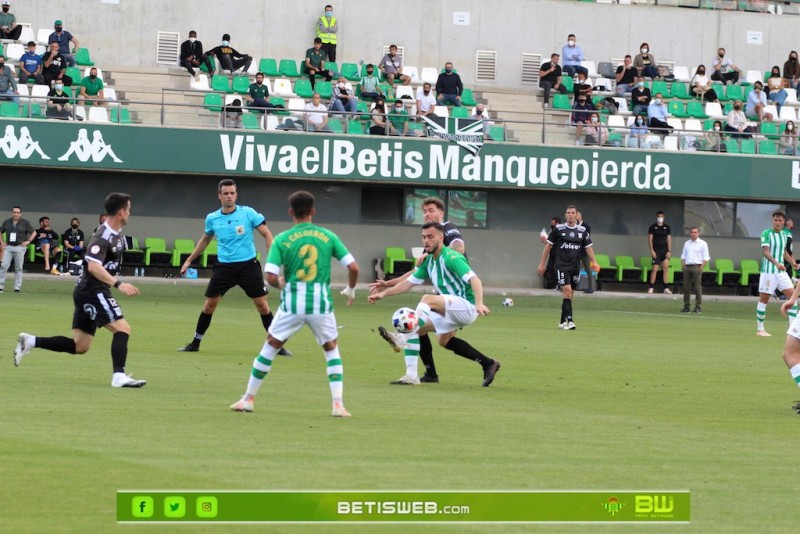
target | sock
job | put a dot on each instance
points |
(792, 314)
(465, 350)
(566, 310)
(266, 320)
(261, 367)
(335, 373)
(795, 372)
(411, 355)
(203, 322)
(426, 354)
(761, 315)
(119, 351)
(56, 344)
(423, 312)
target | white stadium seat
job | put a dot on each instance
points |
(430, 75)
(98, 114)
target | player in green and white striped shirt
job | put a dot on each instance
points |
(773, 273)
(458, 302)
(304, 252)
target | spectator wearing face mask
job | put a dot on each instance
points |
(788, 141)
(63, 38)
(327, 27)
(776, 88)
(756, 101)
(31, 65)
(8, 82)
(229, 58)
(737, 124)
(378, 115)
(58, 105)
(640, 98)
(449, 87)
(791, 69)
(92, 89)
(192, 56)
(73, 239)
(701, 85)
(645, 62)
(657, 115)
(55, 67)
(582, 110)
(426, 102)
(596, 131)
(398, 119)
(639, 133)
(481, 115)
(369, 84)
(573, 55)
(9, 29)
(343, 98)
(713, 138)
(723, 68)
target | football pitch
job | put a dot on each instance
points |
(639, 397)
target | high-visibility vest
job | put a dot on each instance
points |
(327, 38)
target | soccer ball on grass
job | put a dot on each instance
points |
(404, 320)
(507, 302)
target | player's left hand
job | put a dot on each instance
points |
(786, 305)
(377, 286)
(374, 297)
(350, 293)
(128, 289)
(482, 309)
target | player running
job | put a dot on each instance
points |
(773, 272)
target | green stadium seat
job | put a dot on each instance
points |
(222, 83)
(696, 110)
(608, 272)
(213, 65)
(302, 88)
(363, 109)
(75, 74)
(278, 101)
(350, 71)
(335, 125)
(561, 102)
(727, 275)
(213, 102)
(675, 271)
(732, 145)
(209, 256)
(35, 112)
(627, 271)
(386, 90)
(733, 92)
(325, 89)
(468, 98)
(677, 109)
(288, 68)
(660, 86)
(269, 67)
(459, 113)
(748, 268)
(709, 275)
(497, 133)
(332, 66)
(9, 109)
(720, 90)
(183, 248)
(251, 121)
(767, 147)
(395, 262)
(748, 146)
(156, 253)
(82, 57)
(241, 85)
(646, 263)
(355, 127)
(121, 115)
(770, 130)
(681, 90)
(568, 83)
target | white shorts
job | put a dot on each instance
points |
(458, 312)
(769, 282)
(794, 328)
(285, 325)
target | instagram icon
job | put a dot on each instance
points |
(207, 507)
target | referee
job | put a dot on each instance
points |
(236, 265)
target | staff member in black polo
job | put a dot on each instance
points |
(693, 260)
(659, 237)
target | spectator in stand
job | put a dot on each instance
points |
(756, 100)
(92, 89)
(55, 67)
(192, 56)
(426, 102)
(58, 105)
(713, 138)
(481, 115)
(723, 68)
(378, 116)
(31, 65)
(46, 242)
(573, 55)
(229, 58)
(231, 116)
(639, 133)
(626, 77)
(581, 116)
(791, 69)
(73, 240)
(776, 86)
(449, 87)
(581, 87)
(315, 63)
(788, 140)
(596, 131)
(8, 82)
(63, 38)
(640, 98)
(327, 26)
(392, 67)
(657, 114)
(737, 124)
(550, 78)
(9, 29)
(316, 115)
(701, 85)
(645, 62)
(398, 119)
(258, 94)
(343, 98)
(369, 84)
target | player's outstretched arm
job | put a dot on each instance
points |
(198, 249)
(402, 287)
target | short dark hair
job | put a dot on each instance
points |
(226, 37)
(260, 74)
(31, 43)
(74, 219)
(329, 6)
(572, 206)
(370, 66)
(16, 208)
(392, 46)
(659, 212)
(779, 214)
(570, 35)
(438, 226)
(224, 183)
(115, 202)
(435, 201)
(302, 202)
(627, 56)
(317, 40)
(45, 218)
(191, 32)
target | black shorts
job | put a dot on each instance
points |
(94, 309)
(661, 256)
(568, 275)
(245, 274)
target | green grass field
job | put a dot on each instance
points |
(638, 397)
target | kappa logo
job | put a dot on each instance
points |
(22, 146)
(97, 150)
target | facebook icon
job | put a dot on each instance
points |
(142, 507)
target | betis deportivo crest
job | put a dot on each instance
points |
(466, 133)
(613, 506)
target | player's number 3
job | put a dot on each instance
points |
(309, 254)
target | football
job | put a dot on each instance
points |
(404, 320)
(508, 302)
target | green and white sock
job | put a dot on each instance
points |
(423, 312)
(761, 315)
(411, 355)
(335, 373)
(261, 367)
(795, 372)
(792, 314)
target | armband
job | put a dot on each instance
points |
(117, 284)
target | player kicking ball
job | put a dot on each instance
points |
(458, 303)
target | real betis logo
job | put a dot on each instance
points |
(613, 506)
(466, 133)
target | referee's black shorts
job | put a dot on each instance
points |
(245, 274)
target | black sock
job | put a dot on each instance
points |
(426, 354)
(566, 310)
(56, 344)
(119, 351)
(203, 322)
(266, 320)
(465, 350)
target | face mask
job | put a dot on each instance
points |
(426, 91)
(657, 100)
(225, 43)
(644, 50)
(5, 9)
(789, 127)
(582, 100)
(640, 84)
(737, 108)
(660, 220)
(192, 39)
(722, 54)
(571, 42)
(369, 71)
(340, 85)
(58, 28)
(716, 128)
(448, 71)
(329, 14)
(478, 112)
(793, 58)
(701, 72)
(59, 86)
(594, 119)
(2, 64)
(638, 122)
(93, 76)
(398, 108)
(74, 226)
